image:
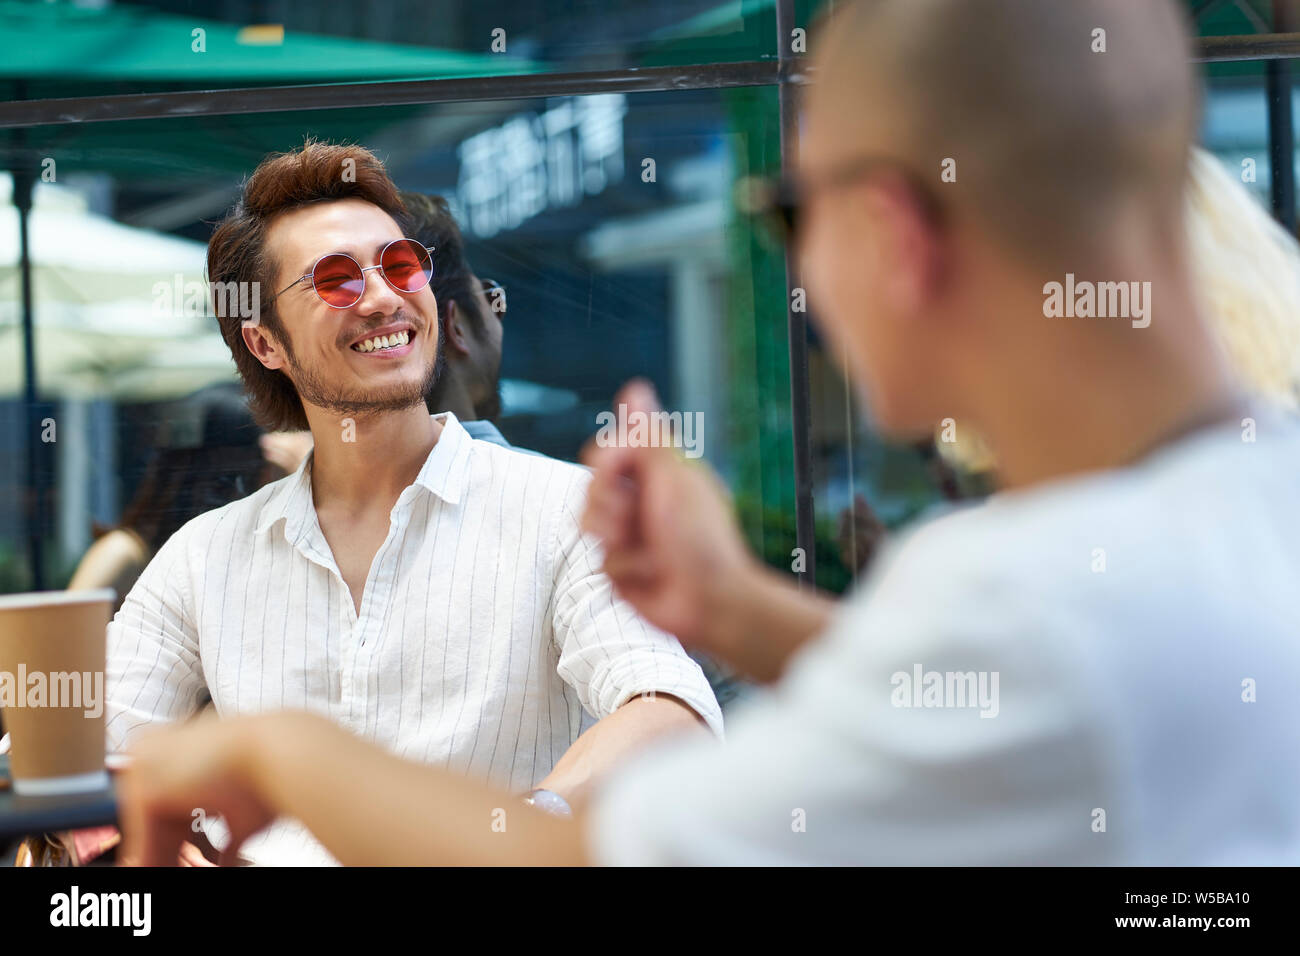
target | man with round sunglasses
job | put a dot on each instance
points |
(428, 591)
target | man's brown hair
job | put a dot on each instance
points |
(318, 172)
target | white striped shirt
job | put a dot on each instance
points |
(488, 639)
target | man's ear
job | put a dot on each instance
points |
(264, 348)
(914, 254)
(453, 327)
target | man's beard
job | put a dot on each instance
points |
(313, 390)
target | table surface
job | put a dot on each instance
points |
(20, 815)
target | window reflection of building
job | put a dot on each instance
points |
(531, 162)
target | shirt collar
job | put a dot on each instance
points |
(445, 473)
(446, 470)
(287, 501)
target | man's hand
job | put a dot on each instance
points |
(366, 806)
(673, 551)
(204, 764)
(672, 548)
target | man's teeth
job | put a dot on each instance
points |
(383, 342)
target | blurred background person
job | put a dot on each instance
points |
(182, 481)
(470, 310)
(1247, 271)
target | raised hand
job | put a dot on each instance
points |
(672, 548)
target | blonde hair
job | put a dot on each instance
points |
(1247, 269)
(1247, 272)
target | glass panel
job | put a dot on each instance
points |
(608, 219)
(1235, 126)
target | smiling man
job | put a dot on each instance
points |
(429, 592)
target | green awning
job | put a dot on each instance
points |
(122, 43)
(61, 50)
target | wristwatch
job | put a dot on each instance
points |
(548, 801)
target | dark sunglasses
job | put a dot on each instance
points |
(779, 203)
(340, 281)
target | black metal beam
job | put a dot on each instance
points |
(796, 322)
(1281, 125)
(34, 494)
(1254, 46)
(702, 76)
(276, 99)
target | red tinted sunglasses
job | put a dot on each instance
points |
(340, 281)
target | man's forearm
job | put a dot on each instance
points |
(603, 745)
(761, 620)
(369, 807)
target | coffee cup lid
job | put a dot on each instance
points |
(34, 599)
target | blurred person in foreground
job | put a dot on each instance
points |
(428, 591)
(1065, 675)
(1247, 272)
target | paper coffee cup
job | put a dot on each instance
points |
(52, 691)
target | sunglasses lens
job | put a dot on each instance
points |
(338, 280)
(407, 265)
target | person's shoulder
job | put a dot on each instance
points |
(1161, 526)
(120, 545)
(553, 487)
(116, 556)
(557, 472)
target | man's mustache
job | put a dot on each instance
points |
(400, 316)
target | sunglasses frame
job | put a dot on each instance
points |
(363, 270)
(779, 201)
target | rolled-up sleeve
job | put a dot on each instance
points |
(607, 652)
(153, 668)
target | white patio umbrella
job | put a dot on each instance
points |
(109, 305)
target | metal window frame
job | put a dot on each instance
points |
(786, 69)
(787, 72)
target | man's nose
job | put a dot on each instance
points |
(377, 295)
